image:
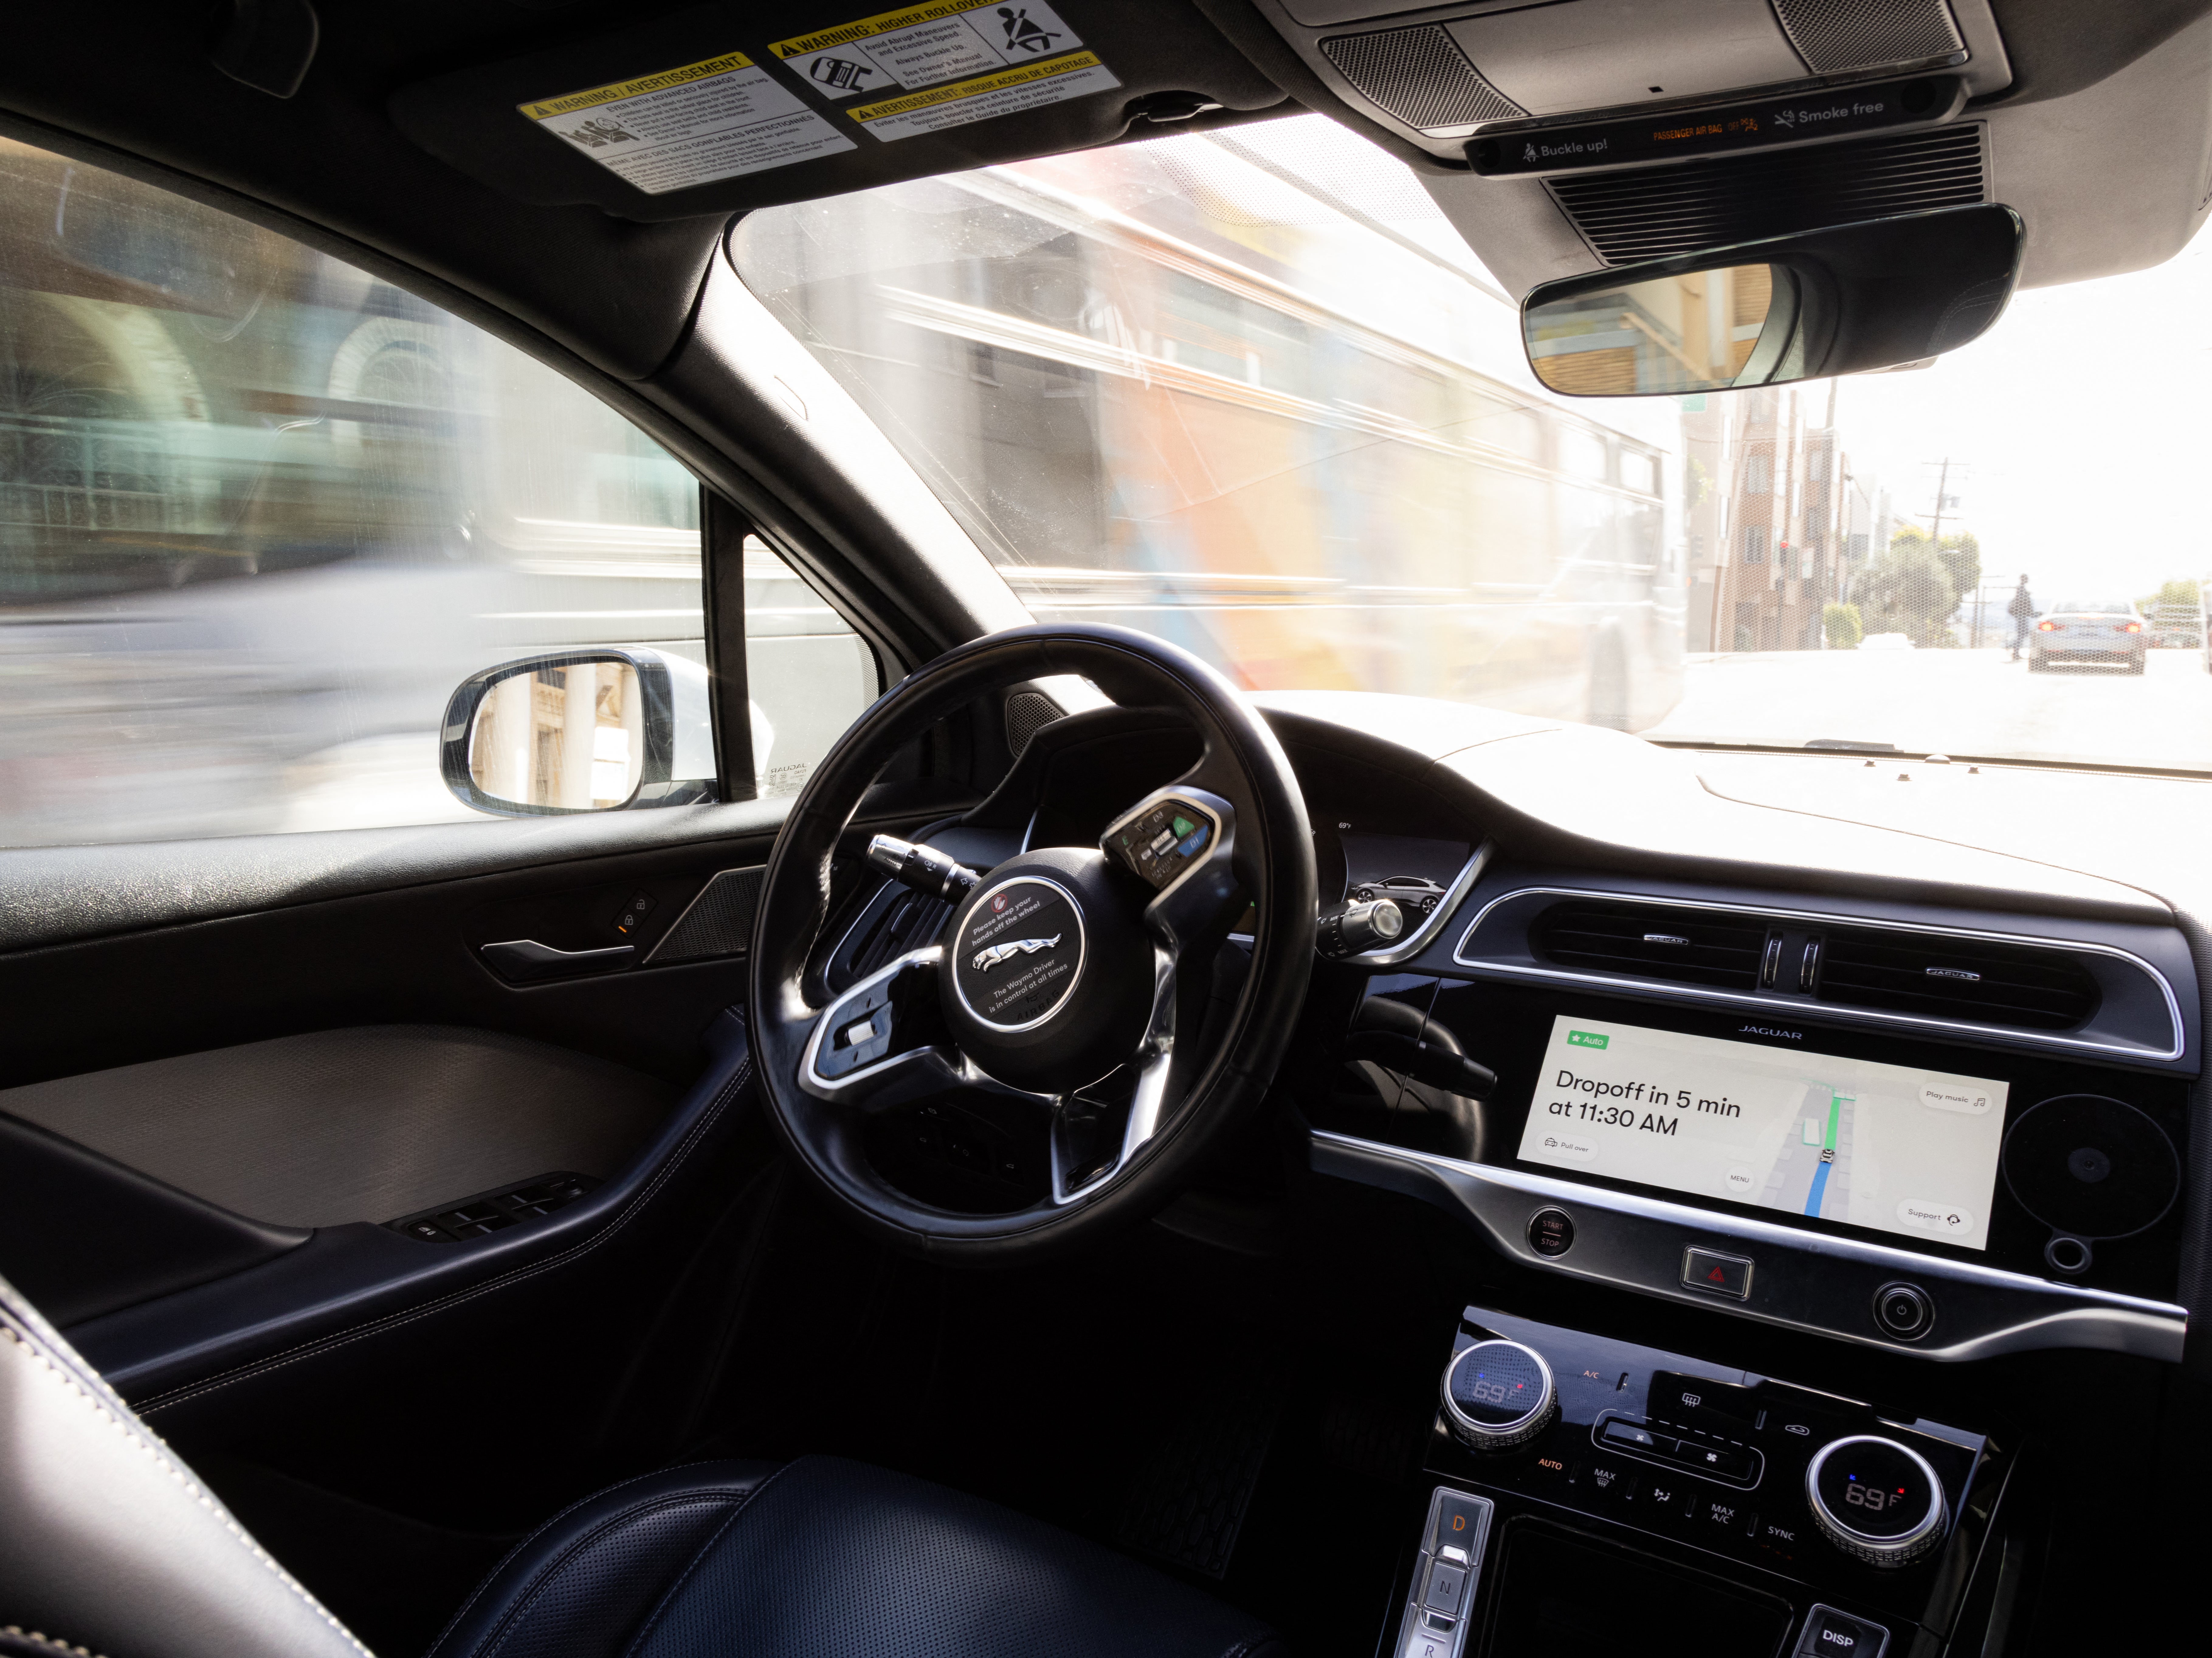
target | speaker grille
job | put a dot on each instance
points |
(1835, 36)
(1420, 76)
(1029, 713)
(1649, 215)
(719, 921)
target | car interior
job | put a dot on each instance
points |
(928, 1104)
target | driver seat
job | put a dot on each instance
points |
(109, 1546)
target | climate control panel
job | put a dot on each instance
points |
(1797, 1484)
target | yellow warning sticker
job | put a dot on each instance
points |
(920, 45)
(716, 119)
(986, 97)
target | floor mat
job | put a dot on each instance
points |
(1187, 1500)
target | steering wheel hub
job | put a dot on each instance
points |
(1050, 972)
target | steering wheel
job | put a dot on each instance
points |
(1086, 983)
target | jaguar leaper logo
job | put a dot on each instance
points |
(985, 960)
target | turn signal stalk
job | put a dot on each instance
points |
(923, 868)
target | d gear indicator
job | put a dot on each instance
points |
(1163, 843)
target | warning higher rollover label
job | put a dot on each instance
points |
(986, 96)
(714, 119)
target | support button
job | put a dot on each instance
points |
(1716, 1273)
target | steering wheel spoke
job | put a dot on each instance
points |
(881, 1044)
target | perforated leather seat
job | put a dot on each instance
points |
(109, 1544)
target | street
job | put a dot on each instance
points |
(1957, 703)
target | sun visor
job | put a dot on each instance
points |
(723, 107)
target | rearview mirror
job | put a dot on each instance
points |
(1846, 300)
(580, 731)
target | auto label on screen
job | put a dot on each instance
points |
(718, 118)
(925, 45)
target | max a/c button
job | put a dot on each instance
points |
(1719, 1274)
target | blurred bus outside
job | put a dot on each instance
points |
(1249, 391)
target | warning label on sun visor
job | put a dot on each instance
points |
(688, 126)
(985, 97)
(918, 46)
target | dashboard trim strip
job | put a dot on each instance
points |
(1635, 1242)
(1818, 1010)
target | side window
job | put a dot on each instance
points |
(808, 673)
(260, 513)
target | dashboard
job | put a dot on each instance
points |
(1857, 1083)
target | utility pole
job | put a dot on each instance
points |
(1942, 479)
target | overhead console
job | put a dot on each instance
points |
(1443, 75)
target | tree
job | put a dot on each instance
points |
(1906, 588)
(2181, 593)
(1841, 623)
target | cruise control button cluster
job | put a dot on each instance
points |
(1165, 841)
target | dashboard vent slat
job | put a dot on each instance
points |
(1696, 947)
(1965, 980)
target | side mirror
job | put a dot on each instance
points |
(1884, 294)
(606, 729)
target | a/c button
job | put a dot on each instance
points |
(1716, 1273)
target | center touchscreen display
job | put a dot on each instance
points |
(1880, 1145)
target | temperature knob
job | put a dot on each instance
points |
(1498, 1394)
(1876, 1500)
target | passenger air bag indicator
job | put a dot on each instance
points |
(1711, 131)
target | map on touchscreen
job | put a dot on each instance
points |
(1880, 1145)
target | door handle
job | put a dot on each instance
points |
(520, 959)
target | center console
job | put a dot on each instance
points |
(1588, 1496)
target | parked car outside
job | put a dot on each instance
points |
(2089, 630)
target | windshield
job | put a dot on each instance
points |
(1250, 391)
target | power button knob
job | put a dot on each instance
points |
(1904, 1311)
(1498, 1395)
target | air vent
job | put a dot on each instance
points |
(1686, 946)
(1650, 213)
(1962, 979)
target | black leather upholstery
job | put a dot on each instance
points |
(823, 1557)
(108, 1543)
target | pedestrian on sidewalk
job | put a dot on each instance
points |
(2021, 609)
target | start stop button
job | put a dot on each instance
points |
(1552, 1232)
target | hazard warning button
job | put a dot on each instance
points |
(1717, 1274)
